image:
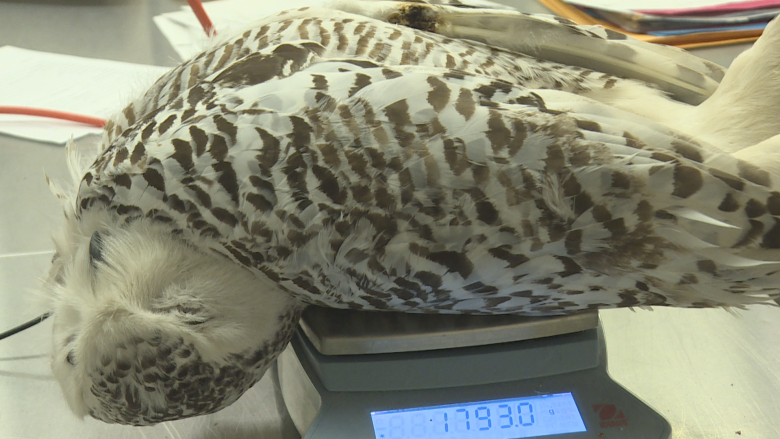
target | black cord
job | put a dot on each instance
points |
(24, 326)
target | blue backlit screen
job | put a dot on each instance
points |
(496, 419)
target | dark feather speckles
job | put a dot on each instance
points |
(218, 148)
(361, 80)
(202, 196)
(301, 131)
(573, 241)
(486, 211)
(773, 204)
(570, 267)
(706, 266)
(772, 237)
(123, 180)
(555, 160)
(226, 127)
(121, 155)
(166, 124)
(429, 279)
(356, 256)
(329, 184)
(129, 115)
(754, 174)
(621, 180)
(182, 154)
(497, 132)
(176, 203)
(195, 95)
(731, 180)
(454, 262)
(465, 104)
(687, 181)
(588, 125)
(454, 154)
(148, 130)
(200, 138)
(439, 96)
(259, 202)
(319, 82)
(512, 260)
(628, 299)
(754, 208)
(398, 114)
(663, 157)
(688, 151)
(254, 69)
(752, 235)
(154, 179)
(224, 216)
(582, 203)
(128, 211)
(139, 152)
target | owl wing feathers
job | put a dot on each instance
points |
(428, 179)
(603, 196)
(547, 38)
(687, 77)
(415, 197)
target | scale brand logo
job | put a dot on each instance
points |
(610, 416)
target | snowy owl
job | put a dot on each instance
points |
(419, 157)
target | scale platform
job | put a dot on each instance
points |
(380, 375)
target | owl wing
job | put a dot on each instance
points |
(505, 199)
(424, 189)
(353, 178)
(685, 76)
(546, 37)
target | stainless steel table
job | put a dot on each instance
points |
(711, 374)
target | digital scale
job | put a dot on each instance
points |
(375, 375)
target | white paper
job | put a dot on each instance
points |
(639, 5)
(51, 81)
(187, 37)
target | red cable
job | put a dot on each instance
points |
(89, 120)
(203, 17)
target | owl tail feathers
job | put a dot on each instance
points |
(744, 110)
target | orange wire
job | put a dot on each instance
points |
(80, 118)
(208, 27)
(203, 17)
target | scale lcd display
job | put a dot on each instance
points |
(526, 417)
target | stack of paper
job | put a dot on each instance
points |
(686, 23)
(93, 87)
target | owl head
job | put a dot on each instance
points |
(148, 328)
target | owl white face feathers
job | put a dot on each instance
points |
(328, 158)
(148, 328)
